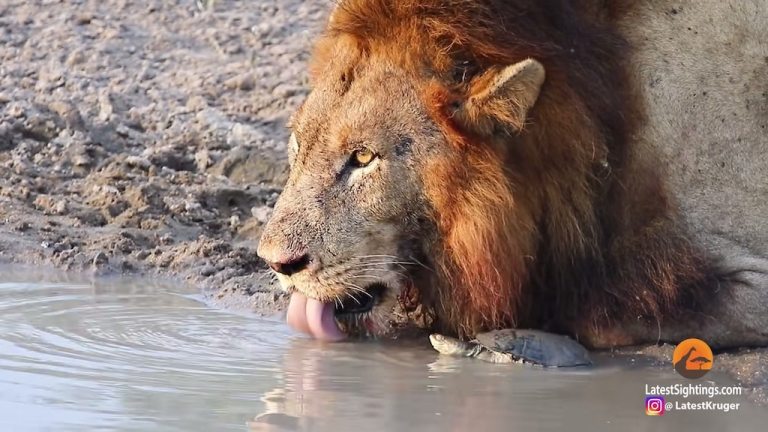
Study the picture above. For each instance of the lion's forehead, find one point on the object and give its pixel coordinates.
(379, 104)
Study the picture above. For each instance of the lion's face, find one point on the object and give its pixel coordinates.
(350, 225)
(399, 207)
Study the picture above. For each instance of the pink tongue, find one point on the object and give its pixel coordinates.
(297, 313)
(322, 324)
(314, 317)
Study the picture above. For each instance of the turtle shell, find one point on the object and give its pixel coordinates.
(535, 346)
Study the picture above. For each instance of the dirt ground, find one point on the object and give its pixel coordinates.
(148, 138)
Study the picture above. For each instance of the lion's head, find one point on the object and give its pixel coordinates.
(450, 155)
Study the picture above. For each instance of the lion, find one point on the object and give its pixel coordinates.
(594, 169)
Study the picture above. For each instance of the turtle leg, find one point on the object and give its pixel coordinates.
(457, 348)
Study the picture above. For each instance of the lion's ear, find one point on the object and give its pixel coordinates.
(502, 97)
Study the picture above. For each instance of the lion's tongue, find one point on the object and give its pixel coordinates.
(322, 324)
(318, 319)
(297, 313)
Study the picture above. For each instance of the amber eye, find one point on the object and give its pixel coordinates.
(362, 157)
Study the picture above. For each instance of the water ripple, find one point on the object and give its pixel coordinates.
(105, 345)
(136, 356)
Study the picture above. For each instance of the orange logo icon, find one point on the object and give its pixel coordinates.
(692, 358)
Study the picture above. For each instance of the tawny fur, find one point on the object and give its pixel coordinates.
(622, 201)
(543, 223)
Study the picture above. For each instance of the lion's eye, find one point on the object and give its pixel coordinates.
(362, 157)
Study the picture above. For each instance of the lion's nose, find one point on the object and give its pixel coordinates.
(290, 265)
(282, 245)
(287, 263)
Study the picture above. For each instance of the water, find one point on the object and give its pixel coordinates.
(133, 355)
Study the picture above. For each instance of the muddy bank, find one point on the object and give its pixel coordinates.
(148, 138)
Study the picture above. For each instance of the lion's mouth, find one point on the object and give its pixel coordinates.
(331, 320)
(360, 301)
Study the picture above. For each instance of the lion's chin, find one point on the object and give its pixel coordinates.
(391, 310)
(360, 313)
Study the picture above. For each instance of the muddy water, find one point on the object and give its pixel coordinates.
(133, 355)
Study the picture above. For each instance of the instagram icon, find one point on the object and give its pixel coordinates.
(654, 406)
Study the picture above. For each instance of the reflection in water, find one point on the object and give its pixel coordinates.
(133, 356)
(371, 387)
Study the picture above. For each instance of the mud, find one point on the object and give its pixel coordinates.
(148, 138)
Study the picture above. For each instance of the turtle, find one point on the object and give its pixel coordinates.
(516, 346)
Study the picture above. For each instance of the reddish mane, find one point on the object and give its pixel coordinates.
(556, 223)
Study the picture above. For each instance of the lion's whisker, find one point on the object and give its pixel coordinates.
(421, 264)
(352, 297)
(359, 272)
(373, 256)
(381, 264)
(357, 288)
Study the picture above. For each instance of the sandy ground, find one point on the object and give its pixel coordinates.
(148, 138)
